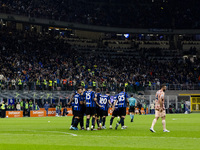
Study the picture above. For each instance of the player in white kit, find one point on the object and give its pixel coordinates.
(160, 109)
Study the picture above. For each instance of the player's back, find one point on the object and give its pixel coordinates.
(77, 99)
(104, 102)
(122, 96)
(89, 98)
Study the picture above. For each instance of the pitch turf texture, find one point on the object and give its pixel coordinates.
(52, 133)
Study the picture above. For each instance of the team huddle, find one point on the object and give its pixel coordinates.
(95, 105)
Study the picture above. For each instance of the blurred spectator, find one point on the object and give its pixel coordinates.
(152, 108)
(46, 107)
(18, 107)
(130, 14)
(36, 107)
(58, 110)
(26, 110)
(145, 108)
(65, 113)
(26, 62)
(3, 109)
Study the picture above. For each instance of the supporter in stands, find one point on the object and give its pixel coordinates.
(147, 14)
(25, 61)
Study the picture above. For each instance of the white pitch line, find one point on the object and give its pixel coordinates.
(29, 134)
(60, 132)
(47, 131)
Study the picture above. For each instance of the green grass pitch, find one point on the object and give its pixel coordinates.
(40, 134)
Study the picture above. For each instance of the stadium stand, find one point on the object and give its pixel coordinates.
(29, 58)
(129, 13)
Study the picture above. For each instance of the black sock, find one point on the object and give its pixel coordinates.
(78, 120)
(122, 122)
(104, 120)
(98, 122)
(111, 121)
(75, 123)
(72, 120)
(87, 123)
(81, 122)
(93, 121)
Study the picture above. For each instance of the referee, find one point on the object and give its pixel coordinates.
(132, 104)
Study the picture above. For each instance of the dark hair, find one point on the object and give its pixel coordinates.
(131, 95)
(89, 87)
(107, 92)
(121, 88)
(163, 85)
(80, 87)
(98, 90)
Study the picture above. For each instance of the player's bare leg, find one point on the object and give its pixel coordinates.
(164, 125)
(153, 124)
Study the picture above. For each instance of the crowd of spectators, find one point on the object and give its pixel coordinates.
(45, 62)
(129, 13)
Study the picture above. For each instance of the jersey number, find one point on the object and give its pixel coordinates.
(76, 100)
(103, 100)
(121, 98)
(88, 96)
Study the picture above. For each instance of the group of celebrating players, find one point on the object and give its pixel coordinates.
(95, 105)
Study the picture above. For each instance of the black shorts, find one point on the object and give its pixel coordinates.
(132, 109)
(77, 113)
(103, 113)
(115, 113)
(97, 111)
(83, 110)
(122, 111)
(91, 111)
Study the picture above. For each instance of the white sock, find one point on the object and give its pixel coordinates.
(164, 124)
(153, 123)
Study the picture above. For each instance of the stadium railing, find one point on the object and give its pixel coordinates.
(175, 87)
(32, 86)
